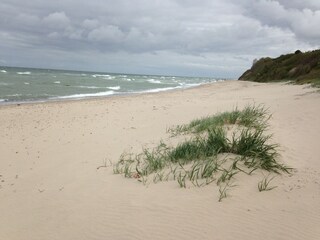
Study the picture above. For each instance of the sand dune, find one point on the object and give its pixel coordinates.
(51, 186)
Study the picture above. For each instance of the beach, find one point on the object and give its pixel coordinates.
(57, 181)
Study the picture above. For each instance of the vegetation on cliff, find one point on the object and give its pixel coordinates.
(298, 67)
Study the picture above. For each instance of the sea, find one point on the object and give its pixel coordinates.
(20, 85)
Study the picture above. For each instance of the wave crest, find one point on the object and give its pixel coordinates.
(24, 73)
(85, 95)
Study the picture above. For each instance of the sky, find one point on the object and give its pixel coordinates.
(214, 38)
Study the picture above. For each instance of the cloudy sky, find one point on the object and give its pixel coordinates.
(218, 38)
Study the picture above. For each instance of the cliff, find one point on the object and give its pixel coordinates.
(298, 67)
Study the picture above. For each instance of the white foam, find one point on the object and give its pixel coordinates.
(73, 74)
(104, 76)
(91, 87)
(14, 95)
(154, 81)
(4, 84)
(95, 87)
(26, 83)
(57, 82)
(3, 100)
(24, 73)
(187, 85)
(78, 96)
(100, 75)
(172, 88)
(3, 71)
(160, 89)
(129, 79)
(114, 88)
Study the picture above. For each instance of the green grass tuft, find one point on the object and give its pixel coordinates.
(263, 185)
(198, 160)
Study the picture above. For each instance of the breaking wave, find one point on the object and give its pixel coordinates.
(24, 73)
(85, 95)
(154, 81)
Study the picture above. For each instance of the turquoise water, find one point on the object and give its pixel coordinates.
(28, 85)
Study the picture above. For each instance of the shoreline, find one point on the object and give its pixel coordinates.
(119, 95)
(57, 182)
(122, 94)
(40, 85)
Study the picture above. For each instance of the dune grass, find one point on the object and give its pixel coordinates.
(251, 117)
(263, 185)
(211, 154)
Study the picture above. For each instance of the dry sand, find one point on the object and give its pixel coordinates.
(50, 187)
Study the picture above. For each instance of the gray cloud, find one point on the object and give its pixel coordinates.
(202, 37)
(302, 18)
(298, 4)
(57, 20)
